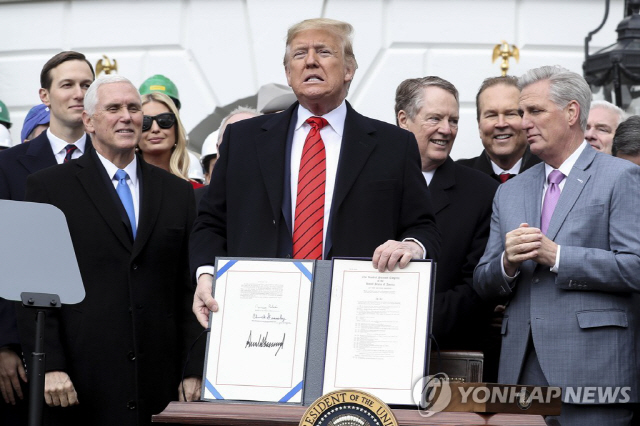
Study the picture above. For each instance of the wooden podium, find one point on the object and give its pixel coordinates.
(211, 413)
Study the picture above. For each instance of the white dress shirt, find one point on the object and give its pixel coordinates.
(58, 146)
(332, 137)
(133, 182)
(499, 170)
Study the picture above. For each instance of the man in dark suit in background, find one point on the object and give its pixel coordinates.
(506, 152)
(461, 197)
(63, 82)
(364, 178)
(118, 354)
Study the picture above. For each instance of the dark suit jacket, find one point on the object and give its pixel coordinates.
(124, 344)
(483, 163)
(380, 193)
(462, 199)
(16, 164)
(21, 160)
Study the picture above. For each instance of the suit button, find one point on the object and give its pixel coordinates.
(536, 280)
(139, 306)
(131, 405)
(135, 266)
(288, 256)
(131, 356)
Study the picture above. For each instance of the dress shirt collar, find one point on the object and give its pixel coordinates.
(58, 145)
(499, 170)
(428, 176)
(131, 169)
(335, 117)
(568, 164)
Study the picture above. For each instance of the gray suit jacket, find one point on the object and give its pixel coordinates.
(585, 320)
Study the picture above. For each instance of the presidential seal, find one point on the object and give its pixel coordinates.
(348, 407)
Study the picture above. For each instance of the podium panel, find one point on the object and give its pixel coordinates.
(232, 414)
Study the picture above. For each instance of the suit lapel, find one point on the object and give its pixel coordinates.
(95, 186)
(270, 146)
(575, 183)
(39, 154)
(151, 190)
(443, 179)
(533, 198)
(357, 146)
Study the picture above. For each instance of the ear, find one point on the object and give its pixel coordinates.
(44, 96)
(573, 112)
(350, 71)
(88, 122)
(402, 119)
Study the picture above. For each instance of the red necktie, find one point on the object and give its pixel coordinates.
(69, 148)
(309, 214)
(505, 177)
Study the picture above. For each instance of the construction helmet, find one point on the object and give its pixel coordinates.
(160, 83)
(4, 115)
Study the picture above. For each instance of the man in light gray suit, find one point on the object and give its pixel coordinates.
(564, 251)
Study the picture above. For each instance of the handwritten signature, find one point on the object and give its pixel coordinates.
(263, 342)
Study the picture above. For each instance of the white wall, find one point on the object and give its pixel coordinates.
(222, 50)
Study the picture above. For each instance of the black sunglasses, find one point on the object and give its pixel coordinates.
(165, 121)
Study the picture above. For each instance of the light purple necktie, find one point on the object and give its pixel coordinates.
(550, 199)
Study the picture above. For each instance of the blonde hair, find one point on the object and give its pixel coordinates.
(342, 30)
(179, 162)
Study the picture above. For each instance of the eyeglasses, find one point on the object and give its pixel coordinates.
(165, 121)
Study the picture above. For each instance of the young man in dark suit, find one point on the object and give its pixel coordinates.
(117, 356)
(64, 79)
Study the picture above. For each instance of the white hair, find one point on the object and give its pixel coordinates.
(91, 97)
(611, 107)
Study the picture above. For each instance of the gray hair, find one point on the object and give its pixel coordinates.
(627, 138)
(91, 96)
(239, 110)
(611, 107)
(410, 93)
(565, 86)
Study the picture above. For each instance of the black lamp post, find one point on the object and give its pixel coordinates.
(616, 68)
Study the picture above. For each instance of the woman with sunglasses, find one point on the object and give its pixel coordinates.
(164, 141)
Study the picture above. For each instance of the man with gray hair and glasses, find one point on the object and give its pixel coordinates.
(564, 253)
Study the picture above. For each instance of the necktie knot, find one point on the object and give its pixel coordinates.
(121, 176)
(69, 151)
(555, 177)
(317, 122)
(505, 177)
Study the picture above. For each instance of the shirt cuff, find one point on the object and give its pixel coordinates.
(424, 251)
(205, 269)
(554, 268)
(506, 277)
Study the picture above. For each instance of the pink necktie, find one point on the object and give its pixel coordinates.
(309, 214)
(550, 199)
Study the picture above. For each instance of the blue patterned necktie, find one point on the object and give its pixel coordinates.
(125, 196)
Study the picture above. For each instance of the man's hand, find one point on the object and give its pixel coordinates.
(59, 390)
(203, 302)
(547, 252)
(11, 369)
(520, 245)
(393, 252)
(192, 386)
